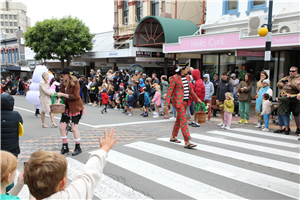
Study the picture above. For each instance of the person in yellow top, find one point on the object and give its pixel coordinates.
(228, 110)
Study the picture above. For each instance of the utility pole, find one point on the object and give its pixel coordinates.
(268, 40)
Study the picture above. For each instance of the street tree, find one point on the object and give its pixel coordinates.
(59, 39)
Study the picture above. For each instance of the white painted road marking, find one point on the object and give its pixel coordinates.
(255, 139)
(245, 157)
(246, 145)
(271, 183)
(106, 125)
(177, 182)
(240, 130)
(107, 188)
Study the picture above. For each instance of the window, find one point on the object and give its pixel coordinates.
(139, 10)
(5, 16)
(126, 11)
(10, 16)
(11, 30)
(256, 5)
(231, 7)
(10, 23)
(15, 24)
(15, 16)
(6, 23)
(2, 23)
(155, 7)
(7, 30)
(1, 16)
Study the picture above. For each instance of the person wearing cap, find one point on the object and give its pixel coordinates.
(288, 84)
(234, 81)
(179, 93)
(74, 108)
(135, 80)
(259, 100)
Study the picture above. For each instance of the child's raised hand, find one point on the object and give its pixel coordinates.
(276, 99)
(108, 142)
(21, 178)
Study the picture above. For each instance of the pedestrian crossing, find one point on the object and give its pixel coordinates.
(233, 164)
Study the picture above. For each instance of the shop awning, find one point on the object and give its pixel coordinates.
(13, 68)
(155, 31)
(25, 69)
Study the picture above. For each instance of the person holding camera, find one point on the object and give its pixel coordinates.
(288, 85)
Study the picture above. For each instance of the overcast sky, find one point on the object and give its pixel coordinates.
(98, 15)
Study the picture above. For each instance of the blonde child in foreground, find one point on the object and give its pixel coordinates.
(9, 166)
(228, 110)
(46, 173)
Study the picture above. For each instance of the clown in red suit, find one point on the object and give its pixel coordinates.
(180, 93)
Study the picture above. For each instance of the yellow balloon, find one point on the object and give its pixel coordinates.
(263, 31)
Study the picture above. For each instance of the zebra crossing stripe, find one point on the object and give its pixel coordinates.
(246, 145)
(271, 183)
(255, 139)
(182, 184)
(288, 137)
(245, 157)
(107, 188)
(24, 193)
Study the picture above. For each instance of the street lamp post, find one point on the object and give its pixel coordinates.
(268, 40)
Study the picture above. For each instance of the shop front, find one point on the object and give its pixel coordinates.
(231, 53)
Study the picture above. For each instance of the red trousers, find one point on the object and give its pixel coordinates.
(181, 122)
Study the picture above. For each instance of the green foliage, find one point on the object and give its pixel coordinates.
(59, 38)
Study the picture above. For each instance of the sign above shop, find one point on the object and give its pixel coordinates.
(120, 60)
(226, 41)
(150, 54)
(139, 59)
(143, 54)
(79, 64)
(113, 53)
(250, 53)
(3, 69)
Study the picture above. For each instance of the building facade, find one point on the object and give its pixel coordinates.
(229, 41)
(13, 15)
(164, 21)
(127, 15)
(13, 62)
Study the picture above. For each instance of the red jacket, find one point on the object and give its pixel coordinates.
(1, 88)
(104, 97)
(199, 87)
(175, 91)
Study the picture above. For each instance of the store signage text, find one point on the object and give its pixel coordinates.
(114, 53)
(250, 53)
(150, 54)
(163, 63)
(112, 60)
(211, 42)
(149, 59)
(227, 41)
(91, 55)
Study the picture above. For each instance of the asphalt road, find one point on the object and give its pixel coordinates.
(241, 163)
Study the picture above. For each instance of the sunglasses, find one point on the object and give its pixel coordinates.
(292, 71)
